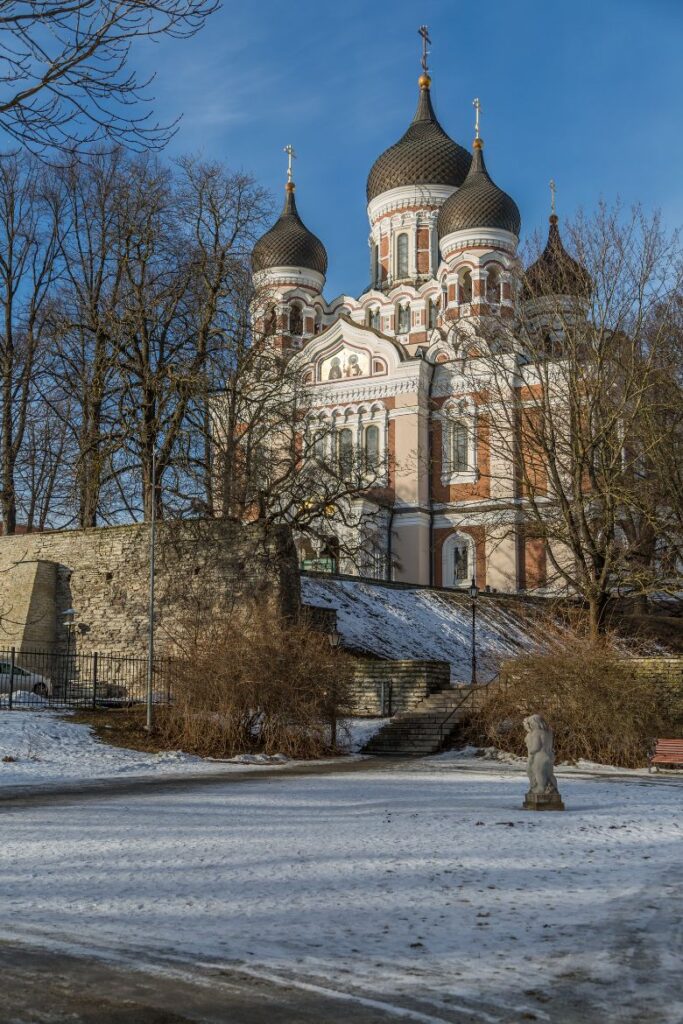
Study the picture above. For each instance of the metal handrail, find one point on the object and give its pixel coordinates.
(468, 696)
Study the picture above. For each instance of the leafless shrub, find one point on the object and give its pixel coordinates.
(257, 683)
(600, 707)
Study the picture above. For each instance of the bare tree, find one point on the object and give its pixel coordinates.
(28, 267)
(569, 386)
(65, 78)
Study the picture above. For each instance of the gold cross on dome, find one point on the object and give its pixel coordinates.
(291, 155)
(553, 189)
(476, 103)
(426, 41)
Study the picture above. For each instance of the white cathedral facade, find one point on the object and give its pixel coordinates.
(391, 372)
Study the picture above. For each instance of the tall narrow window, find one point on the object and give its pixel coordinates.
(319, 446)
(318, 321)
(493, 287)
(465, 287)
(373, 318)
(372, 447)
(459, 446)
(345, 453)
(376, 268)
(402, 256)
(296, 320)
(403, 319)
(432, 313)
(461, 562)
(270, 321)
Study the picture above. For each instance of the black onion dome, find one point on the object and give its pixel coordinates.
(425, 155)
(555, 272)
(478, 203)
(289, 243)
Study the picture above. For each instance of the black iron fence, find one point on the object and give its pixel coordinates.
(80, 680)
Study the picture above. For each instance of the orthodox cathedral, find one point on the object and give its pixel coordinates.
(386, 370)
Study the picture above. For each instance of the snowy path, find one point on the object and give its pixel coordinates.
(421, 890)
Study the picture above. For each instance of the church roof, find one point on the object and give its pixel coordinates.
(478, 203)
(555, 272)
(424, 155)
(289, 243)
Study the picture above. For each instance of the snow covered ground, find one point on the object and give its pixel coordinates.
(397, 623)
(422, 886)
(38, 746)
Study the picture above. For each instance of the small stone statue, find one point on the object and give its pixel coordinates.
(543, 794)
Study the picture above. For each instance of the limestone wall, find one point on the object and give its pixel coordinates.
(381, 688)
(202, 567)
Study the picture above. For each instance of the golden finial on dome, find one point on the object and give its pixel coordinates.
(424, 81)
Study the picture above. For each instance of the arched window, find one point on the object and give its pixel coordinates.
(373, 318)
(318, 321)
(345, 450)
(432, 313)
(459, 448)
(372, 446)
(458, 562)
(492, 286)
(403, 319)
(296, 319)
(402, 255)
(465, 287)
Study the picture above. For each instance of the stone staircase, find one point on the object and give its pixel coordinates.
(426, 727)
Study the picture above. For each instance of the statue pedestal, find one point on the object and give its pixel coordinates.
(543, 802)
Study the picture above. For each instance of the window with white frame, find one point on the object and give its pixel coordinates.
(372, 459)
(460, 447)
(403, 319)
(458, 560)
(432, 313)
(402, 255)
(345, 453)
(459, 442)
(373, 317)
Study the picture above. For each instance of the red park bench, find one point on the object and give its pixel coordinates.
(668, 752)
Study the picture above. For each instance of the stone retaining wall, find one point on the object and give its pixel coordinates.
(381, 688)
(203, 568)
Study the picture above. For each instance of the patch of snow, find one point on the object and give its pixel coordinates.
(424, 624)
(355, 732)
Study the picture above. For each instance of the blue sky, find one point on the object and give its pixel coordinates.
(589, 92)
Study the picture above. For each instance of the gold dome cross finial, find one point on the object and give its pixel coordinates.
(553, 189)
(291, 155)
(426, 41)
(476, 103)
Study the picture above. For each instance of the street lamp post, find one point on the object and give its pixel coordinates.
(335, 640)
(474, 594)
(152, 553)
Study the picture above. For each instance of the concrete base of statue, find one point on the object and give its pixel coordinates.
(543, 802)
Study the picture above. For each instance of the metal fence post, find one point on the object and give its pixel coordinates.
(94, 680)
(11, 676)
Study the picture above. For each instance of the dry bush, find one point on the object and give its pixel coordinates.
(256, 684)
(598, 706)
